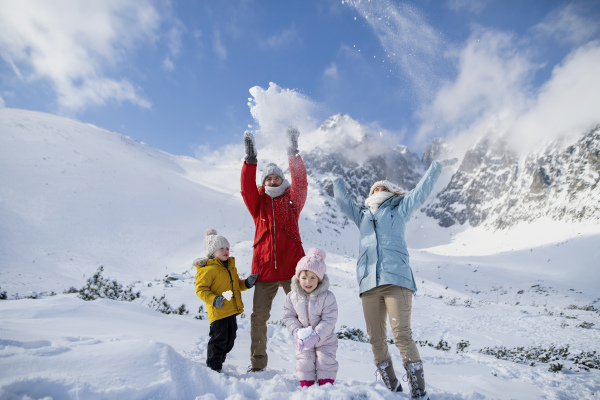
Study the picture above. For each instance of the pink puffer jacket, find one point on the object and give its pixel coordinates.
(319, 310)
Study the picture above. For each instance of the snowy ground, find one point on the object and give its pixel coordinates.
(536, 288)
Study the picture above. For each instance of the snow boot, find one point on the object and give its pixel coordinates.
(388, 375)
(416, 380)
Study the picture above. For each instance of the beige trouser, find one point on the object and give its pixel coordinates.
(396, 302)
(264, 293)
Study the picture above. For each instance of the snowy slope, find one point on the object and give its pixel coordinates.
(74, 197)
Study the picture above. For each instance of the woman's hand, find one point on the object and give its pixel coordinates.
(448, 162)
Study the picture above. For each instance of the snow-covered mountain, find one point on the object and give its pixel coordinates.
(74, 197)
(495, 188)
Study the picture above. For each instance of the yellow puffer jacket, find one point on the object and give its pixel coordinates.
(212, 279)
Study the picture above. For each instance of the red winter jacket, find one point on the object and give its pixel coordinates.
(277, 243)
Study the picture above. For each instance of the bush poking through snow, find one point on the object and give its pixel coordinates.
(161, 305)
(552, 355)
(555, 367)
(354, 334)
(3, 294)
(99, 287)
(201, 313)
(461, 346)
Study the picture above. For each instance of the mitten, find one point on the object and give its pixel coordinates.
(250, 149)
(219, 301)
(448, 162)
(292, 134)
(310, 341)
(251, 280)
(300, 345)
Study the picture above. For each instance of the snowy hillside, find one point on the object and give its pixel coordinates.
(511, 314)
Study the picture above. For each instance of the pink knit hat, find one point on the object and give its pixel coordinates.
(313, 261)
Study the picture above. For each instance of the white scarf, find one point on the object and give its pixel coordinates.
(276, 191)
(376, 199)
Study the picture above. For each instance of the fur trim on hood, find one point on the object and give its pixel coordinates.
(321, 287)
(200, 262)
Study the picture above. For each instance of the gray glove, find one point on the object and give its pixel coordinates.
(251, 280)
(448, 162)
(292, 134)
(250, 149)
(219, 301)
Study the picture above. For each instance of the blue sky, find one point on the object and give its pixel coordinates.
(178, 74)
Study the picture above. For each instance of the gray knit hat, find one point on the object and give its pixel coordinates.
(213, 242)
(270, 169)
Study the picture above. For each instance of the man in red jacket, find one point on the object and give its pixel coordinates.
(275, 206)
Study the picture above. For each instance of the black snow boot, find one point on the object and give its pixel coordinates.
(388, 375)
(416, 380)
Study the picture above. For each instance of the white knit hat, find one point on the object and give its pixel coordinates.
(391, 187)
(270, 169)
(313, 261)
(213, 242)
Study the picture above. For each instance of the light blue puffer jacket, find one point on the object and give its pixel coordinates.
(383, 256)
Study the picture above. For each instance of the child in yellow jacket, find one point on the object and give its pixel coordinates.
(219, 286)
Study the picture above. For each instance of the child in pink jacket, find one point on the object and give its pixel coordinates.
(310, 315)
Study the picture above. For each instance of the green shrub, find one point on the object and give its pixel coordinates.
(99, 287)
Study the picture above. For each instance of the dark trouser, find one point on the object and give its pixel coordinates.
(264, 293)
(222, 335)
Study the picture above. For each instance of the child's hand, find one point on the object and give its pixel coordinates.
(251, 280)
(300, 345)
(219, 301)
(310, 341)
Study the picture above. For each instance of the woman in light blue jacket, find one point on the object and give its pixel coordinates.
(385, 279)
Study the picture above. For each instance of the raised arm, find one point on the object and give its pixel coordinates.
(299, 184)
(350, 208)
(416, 197)
(248, 179)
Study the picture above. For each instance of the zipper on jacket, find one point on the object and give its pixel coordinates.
(274, 235)
(307, 312)
(230, 281)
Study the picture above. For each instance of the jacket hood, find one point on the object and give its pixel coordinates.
(200, 262)
(321, 287)
(203, 262)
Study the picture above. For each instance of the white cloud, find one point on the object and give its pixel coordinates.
(493, 93)
(281, 39)
(174, 41)
(168, 64)
(473, 6)
(73, 45)
(492, 78)
(568, 25)
(331, 72)
(567, 105)
(219, 47)
(174, 46)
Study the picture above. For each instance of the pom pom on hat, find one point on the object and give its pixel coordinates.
(213, 242)
(271, 169)
(313, 261)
